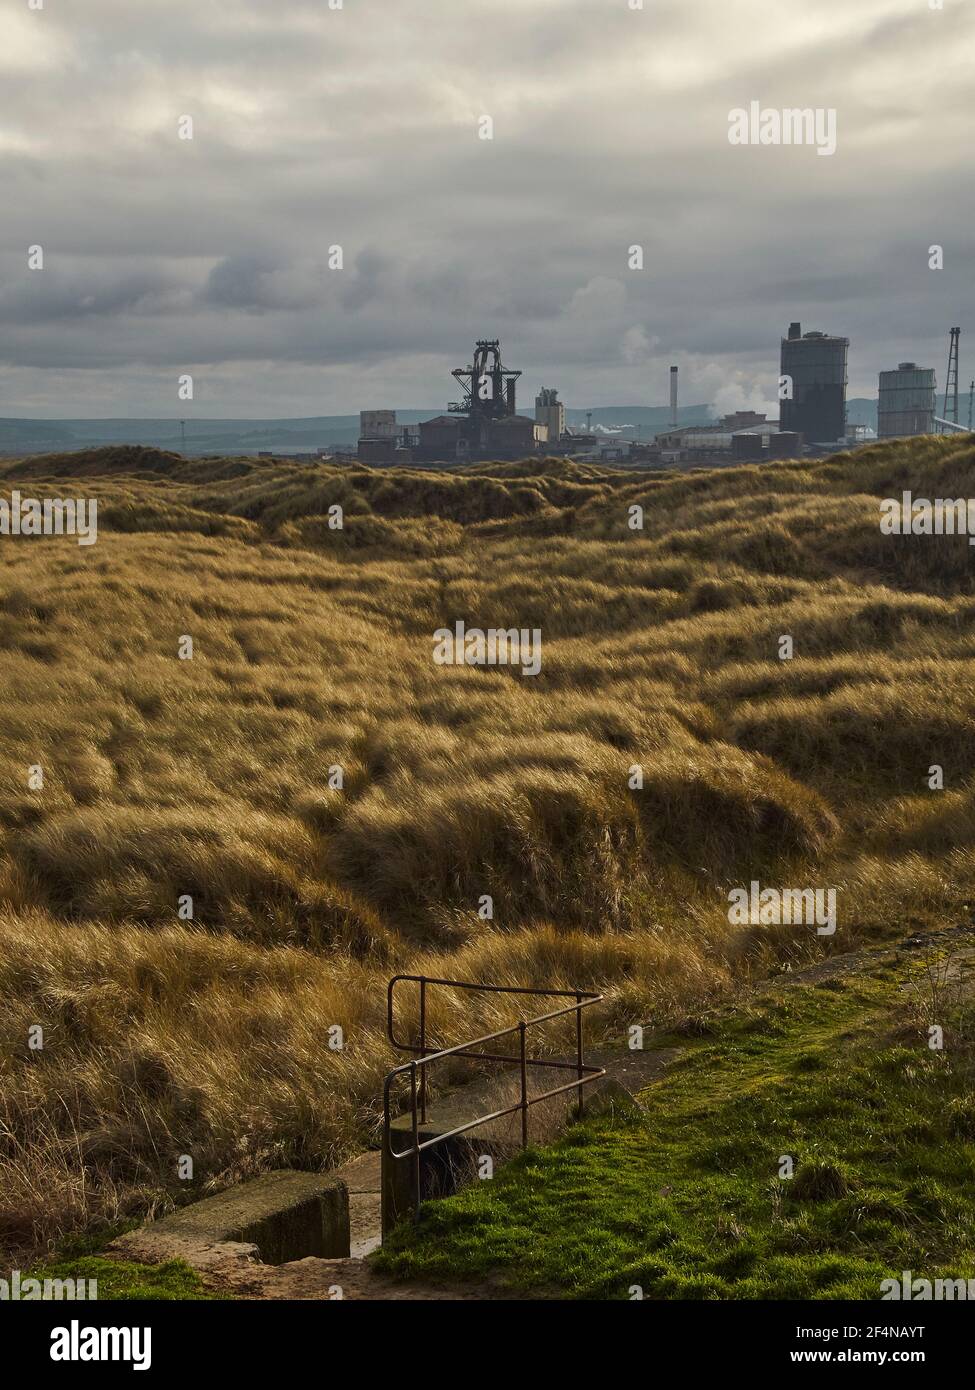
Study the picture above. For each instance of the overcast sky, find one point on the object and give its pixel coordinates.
(359, 127)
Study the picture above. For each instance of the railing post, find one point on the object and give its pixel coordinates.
(579, 1063)
(388, 1164)
(423, 1047)
(416, 1145)
(524, 1085)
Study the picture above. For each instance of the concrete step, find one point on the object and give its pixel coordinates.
(281, 1217)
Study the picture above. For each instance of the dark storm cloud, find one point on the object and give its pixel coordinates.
(316, 127)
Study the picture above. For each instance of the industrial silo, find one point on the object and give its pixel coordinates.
(815, 363)
(907, 401)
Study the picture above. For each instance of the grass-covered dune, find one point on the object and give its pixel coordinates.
(213, 778)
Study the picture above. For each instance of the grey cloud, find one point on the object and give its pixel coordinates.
(366, 280)
(358, 128)
(54, 297)
(241, 282)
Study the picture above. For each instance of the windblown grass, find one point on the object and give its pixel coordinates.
(166, 779)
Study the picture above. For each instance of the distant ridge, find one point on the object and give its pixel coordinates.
(304, 434)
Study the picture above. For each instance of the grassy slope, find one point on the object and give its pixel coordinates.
(313, 648)
(685, 1200)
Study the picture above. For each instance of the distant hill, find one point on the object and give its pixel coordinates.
(284, 436)
(203, 436)
(288, 435)
(306, 434)
(860, 410)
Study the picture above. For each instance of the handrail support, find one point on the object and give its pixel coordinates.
(416, 1070)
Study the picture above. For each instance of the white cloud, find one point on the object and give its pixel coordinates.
(29, 42)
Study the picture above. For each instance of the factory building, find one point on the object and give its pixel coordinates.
(485, 424)
(446, 439)
(716, 436)
(550, 412)
(514, 437)
(381, 440)
(382, 451)
(377, 424)
(743, 435)
(814, 365)
(440, 437)
(907, 401)
(758, 445)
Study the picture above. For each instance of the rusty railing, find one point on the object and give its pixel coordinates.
(416, 1069)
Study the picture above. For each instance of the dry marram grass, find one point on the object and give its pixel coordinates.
(313, 648)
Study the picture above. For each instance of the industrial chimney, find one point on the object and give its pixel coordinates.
(673, 398)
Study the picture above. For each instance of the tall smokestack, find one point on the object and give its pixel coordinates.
(673, 398)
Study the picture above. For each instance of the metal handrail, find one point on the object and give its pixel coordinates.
(417, 1068)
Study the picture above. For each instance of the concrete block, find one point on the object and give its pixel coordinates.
(288, 1215)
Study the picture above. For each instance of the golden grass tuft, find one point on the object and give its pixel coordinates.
(214, 778)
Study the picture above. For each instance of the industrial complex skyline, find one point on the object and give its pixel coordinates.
(813, 416)
(257, 197)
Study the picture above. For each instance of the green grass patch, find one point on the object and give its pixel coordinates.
(685, 1198)
(173, 1281)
